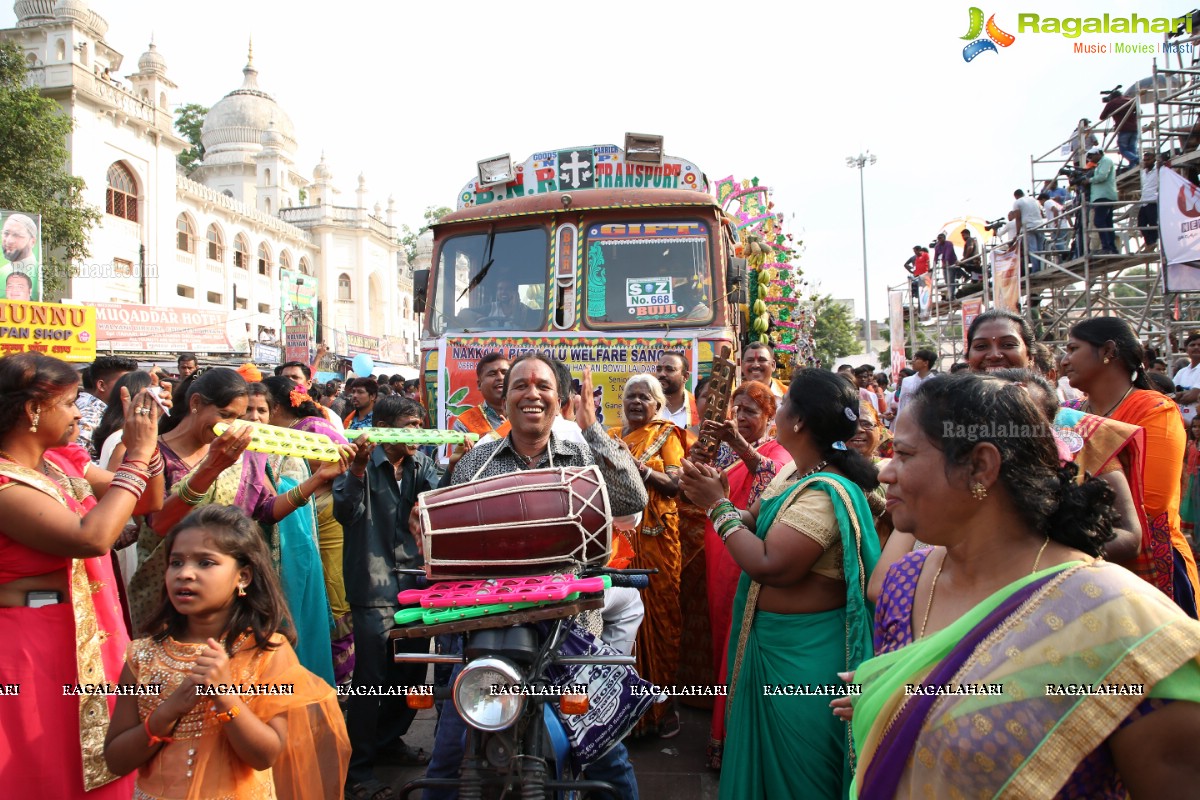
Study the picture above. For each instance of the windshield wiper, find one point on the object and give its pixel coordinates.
(487, 263)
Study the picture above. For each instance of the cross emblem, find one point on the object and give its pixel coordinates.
(580, 171)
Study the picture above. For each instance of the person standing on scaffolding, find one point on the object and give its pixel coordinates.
(1123, 112)
(1027, 215)
(1102, 189)
(944, 255)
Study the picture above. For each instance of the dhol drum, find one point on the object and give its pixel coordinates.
(522, 523)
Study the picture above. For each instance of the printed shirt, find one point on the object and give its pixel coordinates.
(626, 492)
(354, 421)
(91, 409)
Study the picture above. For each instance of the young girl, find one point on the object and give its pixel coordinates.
(219, 626)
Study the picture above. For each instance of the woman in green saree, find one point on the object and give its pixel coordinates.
(800, 615)
(1012, 662)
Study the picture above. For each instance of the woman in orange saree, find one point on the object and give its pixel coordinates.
(60, 615)
(657, 447)
(1104, 359)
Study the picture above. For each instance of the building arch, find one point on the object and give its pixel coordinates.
(345, 287)
(241, 252)
(263, 259)
(121, 197)
(216, 242)
(185, 233)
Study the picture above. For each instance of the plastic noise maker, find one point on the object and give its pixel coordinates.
(415, 436)
(286, 441)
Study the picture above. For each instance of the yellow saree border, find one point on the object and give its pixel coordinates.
(1097, 716)
(89, 665)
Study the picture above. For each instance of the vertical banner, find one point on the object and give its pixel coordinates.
(1179, 226)
(297, 341)
(1006, 279)
(21, 267)
(926, 293)
(970, 310)
(896, 325)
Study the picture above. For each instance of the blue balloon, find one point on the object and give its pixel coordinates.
(363, 365)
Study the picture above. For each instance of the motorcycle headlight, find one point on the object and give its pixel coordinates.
(477, 699)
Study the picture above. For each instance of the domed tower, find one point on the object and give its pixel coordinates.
(240, 127)
(150, 82)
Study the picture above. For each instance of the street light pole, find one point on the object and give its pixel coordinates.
(861, 162)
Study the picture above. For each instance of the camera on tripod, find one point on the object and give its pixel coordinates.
(995, 225)
(1076, 176)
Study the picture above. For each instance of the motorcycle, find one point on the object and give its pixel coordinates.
(514, 668)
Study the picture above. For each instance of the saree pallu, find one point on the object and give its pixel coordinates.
(1189, 503)
(723, 571)
(798, 649)
(1104, 444)
(656, 546)
(51, 742)
(1166, 442)
(200, 764)
(1089, 624)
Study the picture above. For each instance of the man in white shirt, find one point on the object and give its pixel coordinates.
(1056, 226)
(1148, 211)
(672, 373)
(1187, 381)
(1028, 215)
(923, 361)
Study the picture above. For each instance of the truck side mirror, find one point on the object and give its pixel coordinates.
(420, 288)
(735, 281)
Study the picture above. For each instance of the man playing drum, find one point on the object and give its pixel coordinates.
(532, 394)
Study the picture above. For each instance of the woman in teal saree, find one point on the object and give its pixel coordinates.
(1012, 662)
(800, 614)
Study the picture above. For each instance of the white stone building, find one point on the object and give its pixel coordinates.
(215, 240)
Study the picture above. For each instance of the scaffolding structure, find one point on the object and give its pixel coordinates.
(1065, 274)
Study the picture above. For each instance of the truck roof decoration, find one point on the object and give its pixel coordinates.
(600, 166)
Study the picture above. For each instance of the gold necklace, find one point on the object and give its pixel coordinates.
(938, 574)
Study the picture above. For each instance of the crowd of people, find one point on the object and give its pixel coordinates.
(849, 534)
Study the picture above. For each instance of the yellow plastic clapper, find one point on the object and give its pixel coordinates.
(275, 440)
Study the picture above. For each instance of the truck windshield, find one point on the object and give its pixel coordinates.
(643, 274)
(492, 282)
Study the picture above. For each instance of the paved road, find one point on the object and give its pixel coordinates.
(667, 769)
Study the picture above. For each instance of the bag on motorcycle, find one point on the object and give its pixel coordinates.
(617, 697)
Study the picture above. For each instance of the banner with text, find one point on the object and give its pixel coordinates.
(1179, 225)
(65, 332)
(896, 325)
(1006, 278)
(613, 361)
(133, 328)
(361, 343)
(970, 310)
(297, 338)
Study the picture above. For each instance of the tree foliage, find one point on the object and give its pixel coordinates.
(33, 171)
(189, 119)
(834, 332)
(408, 239)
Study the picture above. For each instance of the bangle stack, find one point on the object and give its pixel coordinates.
(725, 519)
(131, 479)
(296, 497)
(187, 495)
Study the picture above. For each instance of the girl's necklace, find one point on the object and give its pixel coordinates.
(938, 574)
(813, 471)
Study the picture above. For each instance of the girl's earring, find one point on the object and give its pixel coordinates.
(37, 415)
(241, 590)
(796, 428)
(1107, 359)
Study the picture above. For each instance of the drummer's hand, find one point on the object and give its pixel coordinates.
(701, 483)
(459, 451)
(358, 467)
(842, 707)
(414, 527)
(585, 413)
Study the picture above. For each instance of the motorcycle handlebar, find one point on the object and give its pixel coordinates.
(638, 582)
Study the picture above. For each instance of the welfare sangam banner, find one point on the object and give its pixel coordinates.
(612, 360)
(65, 332)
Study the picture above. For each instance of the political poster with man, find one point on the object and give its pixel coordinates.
(21, 247)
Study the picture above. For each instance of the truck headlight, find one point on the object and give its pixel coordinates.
(480, 705)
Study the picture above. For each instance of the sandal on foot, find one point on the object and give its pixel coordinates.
(368, 790)
(669, 727)
(402, 756)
